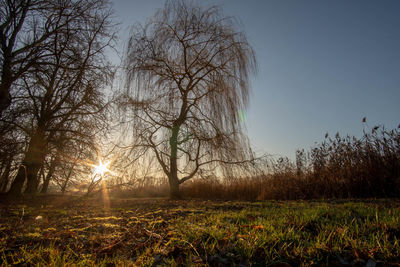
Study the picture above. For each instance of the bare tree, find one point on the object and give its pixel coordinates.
(54, 161)
(72, 165)
(187, 75)
(27, 27)
(11, 150)
(5, 168)
(64, 96)
(13, 15)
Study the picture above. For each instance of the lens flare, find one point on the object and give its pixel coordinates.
(242, 116)
(102, 168)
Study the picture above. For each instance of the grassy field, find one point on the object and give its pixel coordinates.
(151, 232)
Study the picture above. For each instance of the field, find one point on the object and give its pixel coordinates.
(151, 232)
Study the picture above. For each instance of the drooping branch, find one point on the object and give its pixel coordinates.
(191, 67)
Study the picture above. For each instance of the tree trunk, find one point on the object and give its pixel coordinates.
(27, 171)
(174, 192)
(64, 185)
(52, 168)
(34, 187)
(32, 177)
(30, 166)
(47, 180)
(18, 183)
(173, 168)
(6, 81)
(5, 175)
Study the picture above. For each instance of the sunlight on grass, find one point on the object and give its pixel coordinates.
(194, 233)
(106, 218)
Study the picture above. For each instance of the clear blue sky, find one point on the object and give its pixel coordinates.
(323, 66)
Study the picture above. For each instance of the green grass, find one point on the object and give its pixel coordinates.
(201, 233)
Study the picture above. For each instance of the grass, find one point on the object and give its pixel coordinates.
(339, 167)
(148, 232)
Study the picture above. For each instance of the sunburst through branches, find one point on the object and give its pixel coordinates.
(102, 168)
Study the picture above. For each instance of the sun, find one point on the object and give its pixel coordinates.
(101, 168)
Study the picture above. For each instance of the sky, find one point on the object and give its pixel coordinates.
(322, 66)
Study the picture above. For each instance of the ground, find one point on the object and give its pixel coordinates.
(150, 232)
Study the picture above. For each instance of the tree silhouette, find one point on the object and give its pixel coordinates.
(187, 73)
(28, 27)
(63, 96)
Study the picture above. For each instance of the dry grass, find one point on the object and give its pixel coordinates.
(56, 231)
(339, 167)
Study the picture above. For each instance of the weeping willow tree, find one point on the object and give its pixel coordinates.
(187, 82)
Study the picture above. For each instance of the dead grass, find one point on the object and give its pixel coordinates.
(339, 167)
(148, 232)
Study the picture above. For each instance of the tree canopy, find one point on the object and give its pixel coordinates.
(187, 80)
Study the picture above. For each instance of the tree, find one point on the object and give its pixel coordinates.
(69, 162)
(187, 73)
(11, 149)
(27, 28)
(63, 96)
(13, 14)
